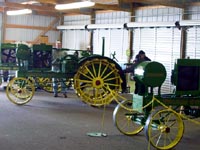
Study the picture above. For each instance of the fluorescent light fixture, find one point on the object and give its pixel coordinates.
(105, 26)
(149, 24)
(71, 27)
(74, 5)
(19, 12)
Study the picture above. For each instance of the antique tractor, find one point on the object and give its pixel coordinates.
(92, 75)
(161, 115)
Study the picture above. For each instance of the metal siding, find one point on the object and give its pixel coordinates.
(96, 49)
(158, 14)
(115, 41)
(97, 45)
(77, 20)
(193, 42)
(160, 44)
(82, 39)
(112, 17)
(68, 39)
(29, 34)
(119, 44)
(76, 39)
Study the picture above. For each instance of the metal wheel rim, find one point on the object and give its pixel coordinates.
(93, 79)
(20, 90)
(123, 120)
(164, 129)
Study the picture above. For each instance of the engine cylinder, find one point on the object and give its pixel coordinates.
(150, 73)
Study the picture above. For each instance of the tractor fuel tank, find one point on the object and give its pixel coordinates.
(150, 73)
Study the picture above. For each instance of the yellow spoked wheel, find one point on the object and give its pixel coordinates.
(94, 79)
(20, 90)
(164, 129)
(127, 122)
(46, 84)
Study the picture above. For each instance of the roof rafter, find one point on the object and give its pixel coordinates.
(156, 2)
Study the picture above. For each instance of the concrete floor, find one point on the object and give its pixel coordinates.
(48, 123)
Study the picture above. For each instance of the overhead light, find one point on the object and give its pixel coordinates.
(19, 12)
(74, 5)
(71, 27)
(105, 26)
(30, 2)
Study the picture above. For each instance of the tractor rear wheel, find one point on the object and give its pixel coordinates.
(95, 79)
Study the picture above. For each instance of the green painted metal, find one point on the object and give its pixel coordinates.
(23, 52)
(150, 73)
(186, 77)
(103, 46)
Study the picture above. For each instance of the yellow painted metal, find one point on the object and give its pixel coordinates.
(164, 129)
(94, 78)
(46, 84)
(123, 119)
(20, 90)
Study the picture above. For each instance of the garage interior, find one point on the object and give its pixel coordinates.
(166, 30)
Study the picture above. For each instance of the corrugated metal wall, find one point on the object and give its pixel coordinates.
(30, 34)
(158, 14)
(76, 39)
(193, 34)
(160, 44)
(116, 40)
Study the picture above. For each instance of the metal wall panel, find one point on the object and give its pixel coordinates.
(193, 42)
(116, 41)
(75, 39)
(193, 34)
(77, 20)
(160, 44)
(98, 39)
(112, 17)
(30, 34)
(193, 13)
(158, 14)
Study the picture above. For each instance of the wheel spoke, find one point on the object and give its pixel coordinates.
(157, 142)
(99, 71)
(106, 67)
(84, 81)
(111, 84)
(85, 75)
(94, 70)
(113, 78)
(88, 70)
(108, 74)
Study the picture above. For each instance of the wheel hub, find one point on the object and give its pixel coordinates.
(164, 129)
(19, 91)
(98, 83)
(167, 130)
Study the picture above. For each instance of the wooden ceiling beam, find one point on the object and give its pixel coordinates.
(50, 26)
(109, 7)
(47, 1)
(28, 6)
(156, 2)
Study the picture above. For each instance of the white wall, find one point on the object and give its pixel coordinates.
(19, 34)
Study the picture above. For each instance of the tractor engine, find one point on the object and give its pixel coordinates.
(149, 74)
